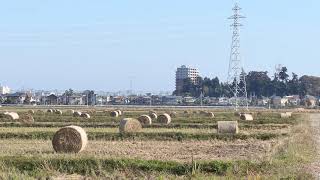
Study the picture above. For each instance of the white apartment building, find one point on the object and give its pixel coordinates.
(5, 90)
(184, 73)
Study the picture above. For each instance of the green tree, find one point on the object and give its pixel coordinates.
(258, 83)
(283, 75)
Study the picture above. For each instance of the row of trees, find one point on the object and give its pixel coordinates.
(258, 84)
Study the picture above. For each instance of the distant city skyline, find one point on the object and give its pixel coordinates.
(123, 45)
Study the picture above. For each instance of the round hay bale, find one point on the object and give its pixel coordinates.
(11, 115)
(145, 120)
(228, 127)
(153, 116)
(2, 115)
(246, 117)
(151, 112)
(31, 111)
(129, 125)
(77, 114)
(50, 111)
(114, 114)
(210, 115)
(119, 112)
(285, 115)
(70, 139)
(164, 119)
(26, 118)
(85, 115)
(289, 113)
(57, 111)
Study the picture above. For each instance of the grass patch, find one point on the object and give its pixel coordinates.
(163, 136)
(37, 167)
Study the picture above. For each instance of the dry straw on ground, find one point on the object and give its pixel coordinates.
(164, 119)
(173, 114)
(114, 114)
(129, 125)
(210, 115)
(203, 112)
(145, 120)
(91, 111)
(71, 111)
(40, 112)
(70, 139)
(228, 127)
(246, 117)
(85, 115)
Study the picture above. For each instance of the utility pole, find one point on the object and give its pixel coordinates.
(236, 74)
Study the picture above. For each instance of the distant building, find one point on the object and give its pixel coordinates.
(294, 100)
(90, 98)
(5, 90)
(75, 99)
(15, 98)
(310, 101)
(52, 99)
(279, 102)
(182, 74)
(188, 100)
(172, 100)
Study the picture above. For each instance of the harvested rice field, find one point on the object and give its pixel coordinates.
(188, 147)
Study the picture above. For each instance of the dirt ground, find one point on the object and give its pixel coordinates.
(315, 124)
(152, 150)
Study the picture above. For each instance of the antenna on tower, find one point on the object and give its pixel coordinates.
(236, 74)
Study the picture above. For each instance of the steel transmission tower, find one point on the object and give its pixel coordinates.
(236, 75)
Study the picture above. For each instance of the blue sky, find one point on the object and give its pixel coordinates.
(103, 44)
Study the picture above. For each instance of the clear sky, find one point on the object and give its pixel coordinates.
(102, 44)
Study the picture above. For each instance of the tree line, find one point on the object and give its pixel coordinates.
(259, 84)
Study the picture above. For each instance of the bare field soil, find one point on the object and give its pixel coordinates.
(314, 167)
(151, 150)
(147, 130)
